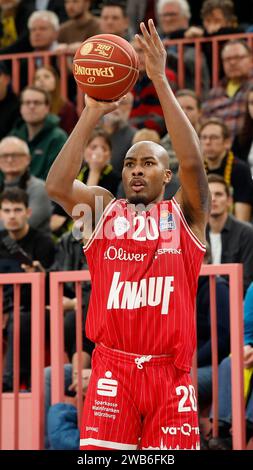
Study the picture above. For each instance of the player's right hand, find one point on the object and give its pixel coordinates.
(103, 106)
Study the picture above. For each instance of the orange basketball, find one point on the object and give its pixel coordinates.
(105, 67)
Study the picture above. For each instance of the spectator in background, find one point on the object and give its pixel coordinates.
(231, 240)
(228, 100)
(147, 111)
(219, 159)
(53, 5)
(224, 441)
(191, 105)
(218, 17)
(48, 79)
(138, 11)
(204, 348)
(14, 164)
(96, 171)
(14, 15)
(173, 18)
(243, 143)
(117, 125)
(37, 247)
(24, 10)
(80, 26)
(146, 134)
(114, 19)
(39, 129)
(9, 102)
(43, 29)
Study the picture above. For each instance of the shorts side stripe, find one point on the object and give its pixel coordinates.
(108, 444)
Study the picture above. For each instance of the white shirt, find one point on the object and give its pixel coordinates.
(216, 247)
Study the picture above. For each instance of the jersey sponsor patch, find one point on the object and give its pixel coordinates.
(167, 221)
(151, 292)
(121, 226)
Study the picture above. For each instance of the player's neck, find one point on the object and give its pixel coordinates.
(217, 222)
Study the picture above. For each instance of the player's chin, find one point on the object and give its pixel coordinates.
(138, 198)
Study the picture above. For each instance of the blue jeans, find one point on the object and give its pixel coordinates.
(204, 385)
(225, 399)
(47, 388)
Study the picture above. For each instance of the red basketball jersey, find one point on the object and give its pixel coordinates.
(144, 270)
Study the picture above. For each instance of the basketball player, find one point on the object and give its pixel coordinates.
(144, 257)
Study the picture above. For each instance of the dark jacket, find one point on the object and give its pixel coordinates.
(9, 111)
(39, 247)
(44, 146)
(204, 321)
(237, 246)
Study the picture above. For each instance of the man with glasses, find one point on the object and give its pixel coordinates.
(174, 18)
(228, 100)
(39, 129)
(15, 172)
(215, 143)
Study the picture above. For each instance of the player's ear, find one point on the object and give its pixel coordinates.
(167, 176)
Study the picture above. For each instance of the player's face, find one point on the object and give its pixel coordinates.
(14, 215)
(220, 200)
(144, 175)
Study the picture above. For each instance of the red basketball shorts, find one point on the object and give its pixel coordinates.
(138, 402)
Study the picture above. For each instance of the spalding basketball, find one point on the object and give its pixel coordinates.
(105, 67)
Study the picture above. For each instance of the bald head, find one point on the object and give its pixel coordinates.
(148, 148)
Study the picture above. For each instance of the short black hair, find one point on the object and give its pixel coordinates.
(14, 195)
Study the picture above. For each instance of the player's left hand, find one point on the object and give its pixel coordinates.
(153, 48)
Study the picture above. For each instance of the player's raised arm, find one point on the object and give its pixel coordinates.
(193, 195)
(61, 183)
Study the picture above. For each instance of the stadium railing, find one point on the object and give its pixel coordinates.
(22, 414)
(63, 62)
